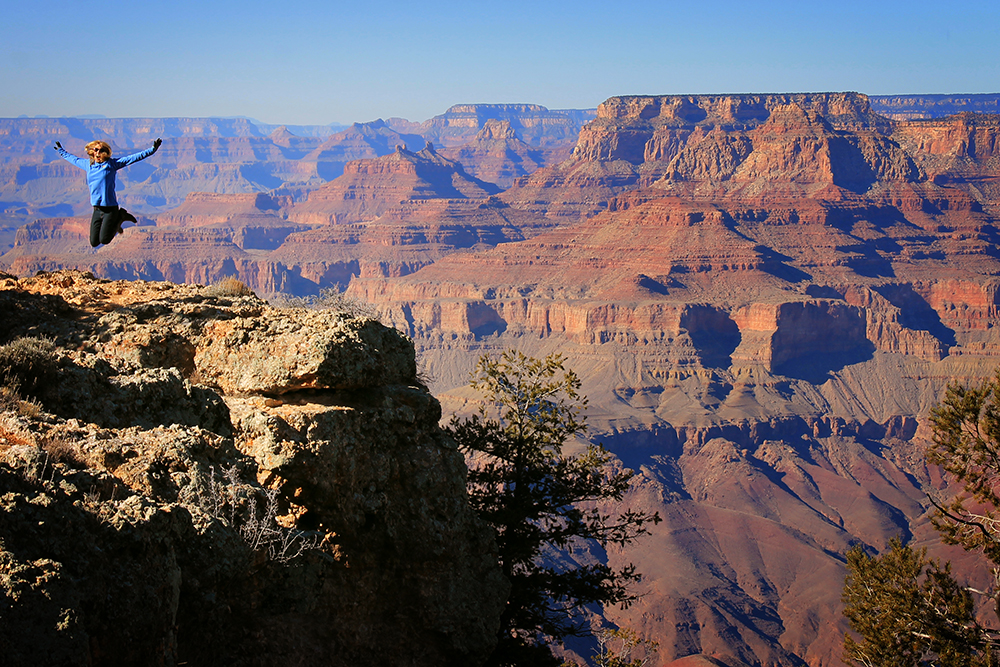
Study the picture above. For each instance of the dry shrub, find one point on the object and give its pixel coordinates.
(10, 399)
(328, 299)
(254, 513)
(229, 286)
(61, 450)
(27, 365)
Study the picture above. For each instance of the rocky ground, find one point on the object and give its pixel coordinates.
(190, 476)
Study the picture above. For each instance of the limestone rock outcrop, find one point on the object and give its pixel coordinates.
(180, 426)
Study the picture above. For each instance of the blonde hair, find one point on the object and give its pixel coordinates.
(96, 146)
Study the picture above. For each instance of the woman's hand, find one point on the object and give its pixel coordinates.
(58, 146)
(156, 144)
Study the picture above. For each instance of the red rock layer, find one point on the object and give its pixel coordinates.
(369, 188)
(755, 289)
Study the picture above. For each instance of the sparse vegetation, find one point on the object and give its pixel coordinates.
(26, 366)
(254, 513)
(10, 399)
(623, 647)
(62, 450)
(229, 286)
(327, 299)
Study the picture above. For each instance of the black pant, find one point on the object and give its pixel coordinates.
(104, 224)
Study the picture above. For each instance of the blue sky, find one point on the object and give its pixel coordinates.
(322, 62)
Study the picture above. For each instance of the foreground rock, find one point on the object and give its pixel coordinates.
(134, 520)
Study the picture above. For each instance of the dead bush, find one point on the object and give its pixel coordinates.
(27, 365)
(65, 451)
(11, 399)
(253, 512)
(328, 299)
(229, 286)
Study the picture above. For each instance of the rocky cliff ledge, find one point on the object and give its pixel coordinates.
(187, 446)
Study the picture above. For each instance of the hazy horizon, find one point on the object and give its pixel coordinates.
(311, 63)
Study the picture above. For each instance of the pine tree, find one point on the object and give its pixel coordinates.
(911, 611)
(538, 499)
(908, 611)
(967, 446)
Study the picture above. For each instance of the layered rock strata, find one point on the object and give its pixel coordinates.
(125, 532)
(369, 188)
(764, 297)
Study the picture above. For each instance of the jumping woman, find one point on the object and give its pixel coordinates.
(108, 217)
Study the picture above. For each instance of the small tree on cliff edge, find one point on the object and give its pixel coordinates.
(535, 498)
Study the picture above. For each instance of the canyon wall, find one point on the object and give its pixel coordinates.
(764, 296)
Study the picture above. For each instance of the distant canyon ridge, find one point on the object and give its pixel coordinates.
(763, 294)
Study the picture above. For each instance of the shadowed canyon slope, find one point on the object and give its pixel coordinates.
(763, 294)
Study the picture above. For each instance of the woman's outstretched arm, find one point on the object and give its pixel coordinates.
(80, 162)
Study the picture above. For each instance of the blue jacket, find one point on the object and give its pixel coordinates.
(101, 175)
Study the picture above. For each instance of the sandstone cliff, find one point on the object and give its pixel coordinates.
(132, 505)
(536, 125)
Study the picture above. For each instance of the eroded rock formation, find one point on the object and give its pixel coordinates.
(119, 543)
(763, 294)
(369, 188)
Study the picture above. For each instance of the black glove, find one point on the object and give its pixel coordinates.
(156, 144)
(58, 146)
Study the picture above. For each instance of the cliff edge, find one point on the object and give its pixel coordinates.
(202, 478)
